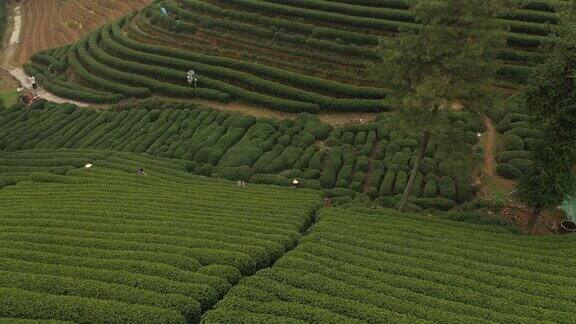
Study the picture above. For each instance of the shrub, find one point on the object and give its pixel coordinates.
(508, 171)
(344, 176)
(387, 187)
(428, 166)
(311, 174)
(273, 179)
(232, 173)
(362, 164)
(304, 139)
(524, 132)
(525, 166)
(513, 142)
(447, 187)
(204, 169)
(347, 138)
(509, 155)
(430, 189)
(356, 186)
(401, 180)
(434, 203)
(360, 139)
(358, 176)
(290, 155)
(316, 160)
(480, 218)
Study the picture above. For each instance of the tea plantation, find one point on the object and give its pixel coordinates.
(371, 160)
(361, 265)
(150, 196)
(107, 245)
(294, 56)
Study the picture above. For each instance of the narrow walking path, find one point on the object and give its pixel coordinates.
(19, 74)
(489, 147)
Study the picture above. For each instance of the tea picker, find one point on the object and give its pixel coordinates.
(191, 77)
(241, 184)
(163, 10)
(295, 183)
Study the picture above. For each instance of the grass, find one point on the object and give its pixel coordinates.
(9, 97)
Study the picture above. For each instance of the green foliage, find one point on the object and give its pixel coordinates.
(344, 268)
(160, 251)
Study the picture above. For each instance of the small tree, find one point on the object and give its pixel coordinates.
(450, 62)
(551, 99)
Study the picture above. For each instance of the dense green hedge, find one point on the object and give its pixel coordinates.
(238, 147)
(370, 265)
(71, 90)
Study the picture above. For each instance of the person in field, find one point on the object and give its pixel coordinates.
(241, 184)
(32, 80)
(141, 172)
(295, 183)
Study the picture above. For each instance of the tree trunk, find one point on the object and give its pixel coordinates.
(533, 220)
(415, 169)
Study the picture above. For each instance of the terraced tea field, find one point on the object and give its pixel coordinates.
(370, 159)
(168, 198)
(362, 265)
(293, 56)
(107, 245)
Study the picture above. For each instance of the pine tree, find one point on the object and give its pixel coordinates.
(450, 62)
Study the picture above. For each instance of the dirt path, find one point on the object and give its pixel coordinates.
(19, 74)
(326, 117)
(492, 186)
(489, 147)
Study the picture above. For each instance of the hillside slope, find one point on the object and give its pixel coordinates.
(361, 265)
(54, 23)
(103, 244)
(293, 56)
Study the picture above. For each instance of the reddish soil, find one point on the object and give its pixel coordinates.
(53, 23)
(489, 141)
(520, 215)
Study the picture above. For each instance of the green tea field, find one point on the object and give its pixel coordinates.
(104, 244)
(361, 265)
(287, 161)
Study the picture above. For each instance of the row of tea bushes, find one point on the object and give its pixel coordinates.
(371, 159)
(154, 248)
(520, 138)
(366, 265)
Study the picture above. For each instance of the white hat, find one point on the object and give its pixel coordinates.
(295, 181)
(88, 166)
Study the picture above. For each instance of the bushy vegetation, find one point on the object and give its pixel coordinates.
(361, 265)
(107, 245)
(295, 56)
(368, 159)
(520, 138)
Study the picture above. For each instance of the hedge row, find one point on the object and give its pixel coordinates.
(154, 262)
(368, 265)
(368, 159)
(294, 79)
(70, 90)
(519, 140)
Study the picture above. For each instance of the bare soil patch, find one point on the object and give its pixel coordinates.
(53, 23)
